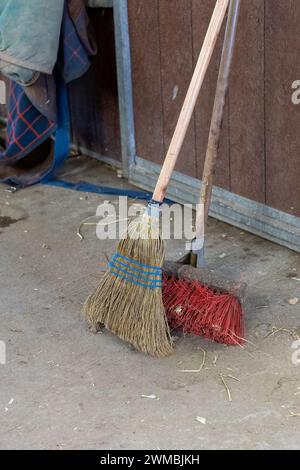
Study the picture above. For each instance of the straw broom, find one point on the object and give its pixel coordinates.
(128, 300)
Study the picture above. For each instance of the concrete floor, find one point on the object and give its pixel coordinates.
(64, 388)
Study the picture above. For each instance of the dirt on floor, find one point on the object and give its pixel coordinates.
(63, 387)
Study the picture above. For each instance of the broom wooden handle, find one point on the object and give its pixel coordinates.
(217, 117)
(190, 100)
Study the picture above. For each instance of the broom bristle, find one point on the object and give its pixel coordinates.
(128, 299)
(199, 310)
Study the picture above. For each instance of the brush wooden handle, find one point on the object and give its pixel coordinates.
(217, 117)
(190, 100)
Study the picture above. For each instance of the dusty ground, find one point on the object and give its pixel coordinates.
(63, 387)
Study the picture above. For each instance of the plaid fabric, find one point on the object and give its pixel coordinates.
(75, 46)
(27, 126)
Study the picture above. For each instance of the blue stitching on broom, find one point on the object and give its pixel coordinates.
(145, 274)
(151, 275)
(133, 261)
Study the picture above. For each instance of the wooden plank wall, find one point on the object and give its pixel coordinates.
(259, 151)
(282, 116)
(94, 96)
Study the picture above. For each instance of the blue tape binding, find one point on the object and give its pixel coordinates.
(116, 263)
(133, 277)
(134, 261)
(136, 274)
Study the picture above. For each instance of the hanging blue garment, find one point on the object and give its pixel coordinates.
(39, 111)
(29, 38)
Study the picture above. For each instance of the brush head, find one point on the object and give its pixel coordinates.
(201, 311)
(128, 299)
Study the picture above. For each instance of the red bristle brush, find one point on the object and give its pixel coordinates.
(200, 301)
(198, 309)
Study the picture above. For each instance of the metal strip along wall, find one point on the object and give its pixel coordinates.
(248, 214)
